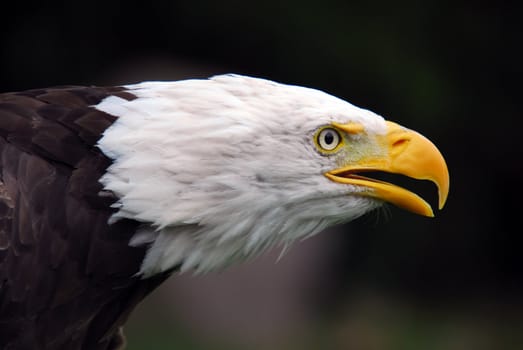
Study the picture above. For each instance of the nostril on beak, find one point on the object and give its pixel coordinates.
(400, 142)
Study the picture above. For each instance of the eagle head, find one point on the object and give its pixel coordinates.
(220, 169)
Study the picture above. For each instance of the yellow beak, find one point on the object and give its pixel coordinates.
(406, 153)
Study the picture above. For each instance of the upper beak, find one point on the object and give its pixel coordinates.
(406, 153)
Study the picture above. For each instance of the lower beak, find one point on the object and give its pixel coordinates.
(407, 153)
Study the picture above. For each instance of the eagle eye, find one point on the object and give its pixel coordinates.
(328, 139)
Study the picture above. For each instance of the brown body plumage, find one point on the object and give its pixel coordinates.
(66, 276)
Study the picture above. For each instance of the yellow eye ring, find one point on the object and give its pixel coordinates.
(328, 140)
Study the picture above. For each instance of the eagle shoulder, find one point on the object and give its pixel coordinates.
(67, 277)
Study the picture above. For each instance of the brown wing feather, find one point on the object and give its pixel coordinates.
(66, 276)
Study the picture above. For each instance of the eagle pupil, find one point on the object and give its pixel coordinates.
(329, 138)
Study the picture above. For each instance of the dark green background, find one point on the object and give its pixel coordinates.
(449, 69)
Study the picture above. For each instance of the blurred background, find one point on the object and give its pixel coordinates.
(451, 70)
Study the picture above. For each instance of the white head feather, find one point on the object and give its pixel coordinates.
(220, 169)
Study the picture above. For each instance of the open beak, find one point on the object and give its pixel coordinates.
(406, 153)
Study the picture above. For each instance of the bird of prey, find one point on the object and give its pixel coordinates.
(106, 191)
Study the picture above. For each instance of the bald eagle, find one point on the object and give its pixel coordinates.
(106, 191)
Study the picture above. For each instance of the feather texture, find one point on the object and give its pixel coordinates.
(225, 168)
(66, 276)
